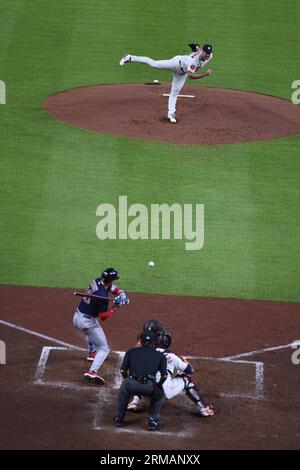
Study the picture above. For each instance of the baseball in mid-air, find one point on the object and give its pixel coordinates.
(151, 264)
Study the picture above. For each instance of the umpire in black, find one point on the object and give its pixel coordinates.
(139, 368)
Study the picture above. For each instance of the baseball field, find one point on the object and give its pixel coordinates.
(77, 132)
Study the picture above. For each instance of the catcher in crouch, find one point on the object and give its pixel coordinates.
(178, 380)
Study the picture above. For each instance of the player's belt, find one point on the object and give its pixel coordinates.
(143, 379)
(84, 315)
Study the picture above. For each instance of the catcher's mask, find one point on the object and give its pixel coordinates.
(110, 274)
(163, 340)
(148, 338)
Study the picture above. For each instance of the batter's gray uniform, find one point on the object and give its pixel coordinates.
(95, 335)
(88, 311)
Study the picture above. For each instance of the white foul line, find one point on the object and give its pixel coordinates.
(258, 351)
(45, 354)
(40, 335)
(259, 376)
(72, 346)
(234, 358)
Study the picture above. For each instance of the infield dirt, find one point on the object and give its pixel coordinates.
(63, 412)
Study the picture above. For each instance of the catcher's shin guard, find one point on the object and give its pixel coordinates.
(193, 392)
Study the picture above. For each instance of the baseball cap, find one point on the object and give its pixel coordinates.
(207, 48)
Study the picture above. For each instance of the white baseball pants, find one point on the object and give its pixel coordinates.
(173, 386)
(179, 77)
(95, 337)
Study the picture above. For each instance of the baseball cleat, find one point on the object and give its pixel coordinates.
(91, 356)
(118, 422)
(154, 424)
(172, 118)
(126, 58)
(205, 411)
(134, 403)
(93, 378)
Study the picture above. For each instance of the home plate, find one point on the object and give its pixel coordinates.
(180, 96)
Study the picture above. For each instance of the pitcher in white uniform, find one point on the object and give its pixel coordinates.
(182, 66)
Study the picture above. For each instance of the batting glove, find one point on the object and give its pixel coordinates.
(121, 300)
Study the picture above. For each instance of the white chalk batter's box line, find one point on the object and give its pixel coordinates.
(259, 375)
(258, 394)
(104, 394)
(41, 368)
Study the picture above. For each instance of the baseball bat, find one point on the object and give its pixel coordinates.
(86, 294)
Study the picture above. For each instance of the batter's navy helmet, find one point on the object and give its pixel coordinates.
(110, 274)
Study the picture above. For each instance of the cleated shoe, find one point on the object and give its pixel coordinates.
(126, 58)
(93, 378)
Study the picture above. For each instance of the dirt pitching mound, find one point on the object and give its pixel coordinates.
(210, 116)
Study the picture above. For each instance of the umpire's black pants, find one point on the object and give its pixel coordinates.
(132, 386)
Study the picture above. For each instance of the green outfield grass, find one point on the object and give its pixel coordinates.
(53, 176)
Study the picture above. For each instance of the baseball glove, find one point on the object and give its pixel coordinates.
(194, 47)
